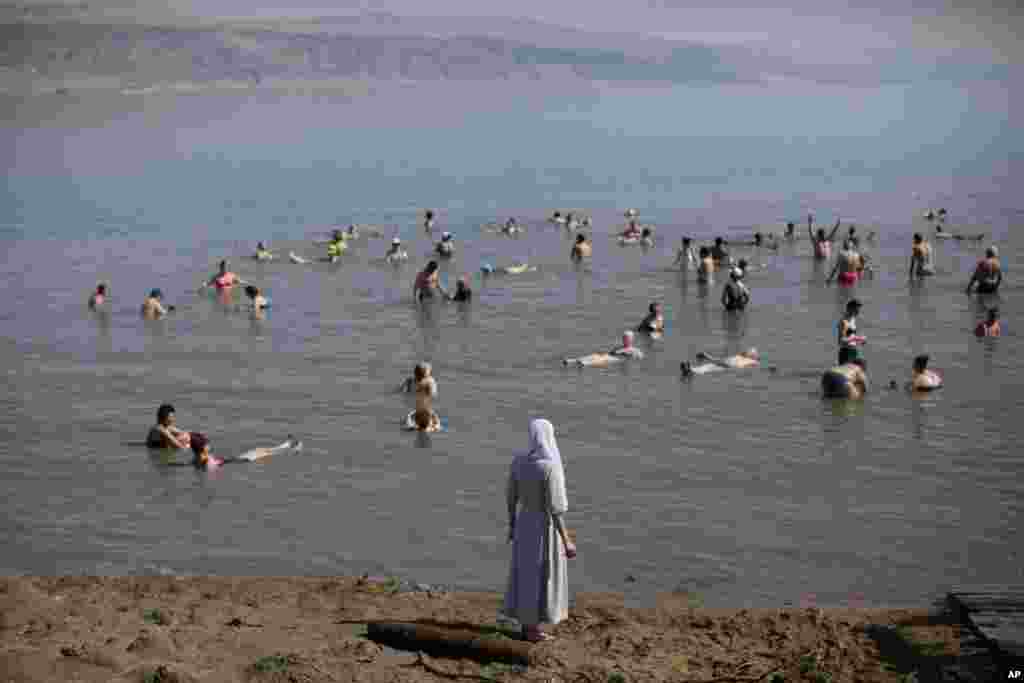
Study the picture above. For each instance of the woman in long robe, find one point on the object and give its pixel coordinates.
(538, 588)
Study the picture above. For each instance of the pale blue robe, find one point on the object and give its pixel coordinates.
(538, 587)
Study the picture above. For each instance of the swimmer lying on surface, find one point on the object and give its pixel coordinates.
(514, 269)
(708, 363)
(654, 322)
(626, 351)
(202, 459)
(262, 253)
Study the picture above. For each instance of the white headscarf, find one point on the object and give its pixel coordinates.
(542, 442)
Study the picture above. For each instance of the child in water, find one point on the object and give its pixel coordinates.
(99, 296)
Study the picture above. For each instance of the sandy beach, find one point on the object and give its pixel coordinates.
(315, 629)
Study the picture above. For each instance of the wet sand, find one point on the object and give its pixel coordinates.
(314, 629)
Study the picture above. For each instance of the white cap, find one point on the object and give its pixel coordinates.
(396, 241)
(445, 235)
(736, 272)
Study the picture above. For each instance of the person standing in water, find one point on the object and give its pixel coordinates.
(989, 327)
(98, 297)
(790, 233)
(848, 337)
(462, 290)
(849, 379)
(164, 434)
(719, 254)
(395, 253)
(426, 283)
(848, 264)
(921, 258)
(428, 221)
(581, 249)
(445, 248)
(988, 275)
(224, 279)
(538, 589)
(685, 256)
(706, 267)
(735, 295)
(153, 308)
(921, 378)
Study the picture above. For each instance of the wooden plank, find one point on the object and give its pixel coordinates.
(449, 642)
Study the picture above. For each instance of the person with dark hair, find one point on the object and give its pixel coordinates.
(202, 459)
(152, 306)
(706, 266)
(921, 378)
(164, 434)
(735, 294)
(848, 337)
(654, 323)
(990, 327)
(821, 242)
(99, 296)
(685, 257)
(224, 279)
(849, 265)
(921, 257)
(719, 254)
(849, 379)
(427, 281)
(258, 301)
(462, 290)
(790, 233)
(988, 275)
(428, 221)
(581, 249)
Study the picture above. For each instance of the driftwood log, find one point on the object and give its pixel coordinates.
(449, 642)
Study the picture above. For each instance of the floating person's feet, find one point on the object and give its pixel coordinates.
(686, 368)
(294, 443)
(295, 258)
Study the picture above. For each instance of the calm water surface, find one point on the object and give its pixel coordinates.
(745, 488)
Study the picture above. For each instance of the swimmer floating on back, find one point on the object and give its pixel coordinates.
(708, 363)
(202, 459)
(624, 352)
(654, 322)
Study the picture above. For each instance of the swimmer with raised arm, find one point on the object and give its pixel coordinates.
(821, 242)
(921, 258)
(164, 434)
(581, 249)
(988, 274)
(708, 363)
(624, 352)
(849, 379)
(921, 378)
